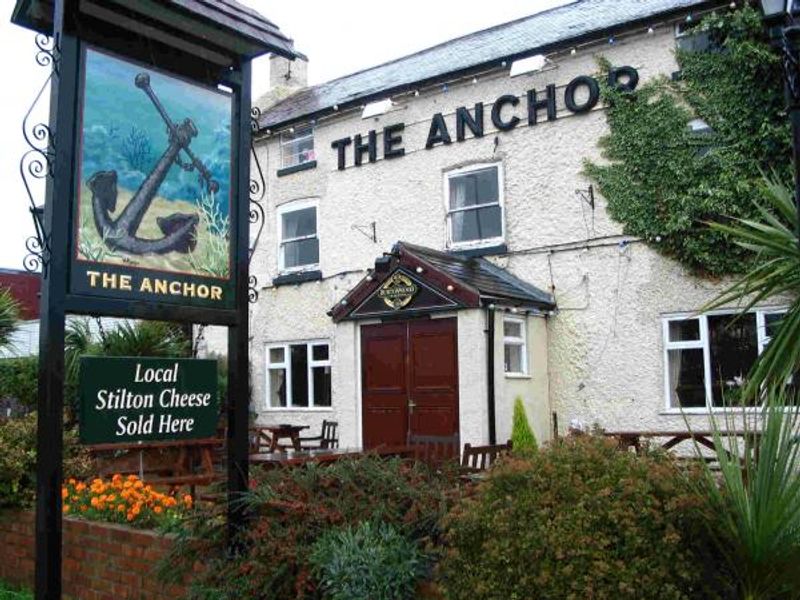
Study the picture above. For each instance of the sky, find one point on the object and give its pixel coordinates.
(338, 38)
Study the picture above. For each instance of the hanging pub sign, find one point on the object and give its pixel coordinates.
(397, 291)
(133, 399)
(152, 215)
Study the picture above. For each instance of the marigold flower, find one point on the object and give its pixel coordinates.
(130, 516)
(121, 507)
(80, 487)
(64, 493)
(66, 508)
(158, 510)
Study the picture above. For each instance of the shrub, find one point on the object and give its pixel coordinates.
(19, 379)
(290, 508)
(122, 500)
(18, 460)
(370, 560)
(579, 520)
(522, 439)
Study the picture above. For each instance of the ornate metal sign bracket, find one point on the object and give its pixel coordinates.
(37, 162)
(258, 188)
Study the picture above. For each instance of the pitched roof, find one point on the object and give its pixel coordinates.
(491, 281)
(542, 32)
(458, 282)
(238, 27)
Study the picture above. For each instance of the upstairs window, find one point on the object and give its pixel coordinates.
(299, 244)
(299, 375)
(474, 206)
(297, 146)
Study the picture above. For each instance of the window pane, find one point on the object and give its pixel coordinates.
(299, 223)
(512, 329)
(322, 386)
(319, 352)
(772, 323)
(277, 387)
(477, 224)
(470, 189)
(302, 252)
(276, 355)
(514, 359)
(299, 358)
(297, 147)
(685, 372)
(734, 348)
(684, 331)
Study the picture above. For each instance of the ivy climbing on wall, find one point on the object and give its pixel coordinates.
(667, 175)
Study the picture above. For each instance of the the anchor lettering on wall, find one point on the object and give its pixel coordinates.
(179, 229)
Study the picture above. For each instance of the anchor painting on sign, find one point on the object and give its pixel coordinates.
(152, 219)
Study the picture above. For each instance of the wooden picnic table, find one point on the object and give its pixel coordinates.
(324, 455)
(283, 431)
(633, 439)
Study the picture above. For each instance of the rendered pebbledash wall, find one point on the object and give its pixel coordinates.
(604, 350)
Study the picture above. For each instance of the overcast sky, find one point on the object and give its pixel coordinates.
(338, 37)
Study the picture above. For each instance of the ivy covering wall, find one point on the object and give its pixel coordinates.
(663, 180)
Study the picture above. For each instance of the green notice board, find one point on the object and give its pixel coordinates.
(130, 399)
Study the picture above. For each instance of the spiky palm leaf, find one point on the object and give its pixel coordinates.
(777, 273)
(9, 317)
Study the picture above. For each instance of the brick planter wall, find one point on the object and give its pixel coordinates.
(101, 561)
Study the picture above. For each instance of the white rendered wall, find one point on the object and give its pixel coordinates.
(604, 354)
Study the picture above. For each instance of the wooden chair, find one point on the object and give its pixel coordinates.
(476, 459)
(258, 440)
(327, 439)
(434, 449)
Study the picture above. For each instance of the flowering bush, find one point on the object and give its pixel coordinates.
(122, 500)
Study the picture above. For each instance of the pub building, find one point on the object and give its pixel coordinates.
(432, 250)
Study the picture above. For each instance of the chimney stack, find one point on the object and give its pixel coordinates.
(285, 73)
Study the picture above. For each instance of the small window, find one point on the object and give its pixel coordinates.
(299, 244)
(297, 146)
(299, 375)
(474, 206)
(515, 346)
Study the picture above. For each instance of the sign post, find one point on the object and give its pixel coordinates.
(147, 207)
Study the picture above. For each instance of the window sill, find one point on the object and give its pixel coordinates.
(479, 251)
(297, 278)
(517, 376)
(298, 409)
(310, 164)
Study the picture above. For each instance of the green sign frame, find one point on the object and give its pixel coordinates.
(133, 399)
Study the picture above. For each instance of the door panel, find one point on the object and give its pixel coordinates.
(433, 386)
(384, 384)
(409, 380)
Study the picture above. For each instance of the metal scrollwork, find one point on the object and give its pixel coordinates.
(258, 189)
(37, 161)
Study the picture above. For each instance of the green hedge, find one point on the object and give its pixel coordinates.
(19, 379)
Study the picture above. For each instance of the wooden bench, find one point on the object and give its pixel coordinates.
(434, 450)
(174, 464)
(476, 459)
(327, 439)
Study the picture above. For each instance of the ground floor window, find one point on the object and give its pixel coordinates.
(515, 355)
(708, 357)
(299, 375)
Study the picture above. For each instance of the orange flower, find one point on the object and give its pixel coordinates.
(130, 516)
(158, 510)
(121, 507)
(84, 508)
(187, 501)
(66, 508)
(80, 487)
(64, 493)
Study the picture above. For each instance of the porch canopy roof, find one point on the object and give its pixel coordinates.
(446, 282)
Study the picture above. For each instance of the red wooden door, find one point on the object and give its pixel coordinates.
(409, 380)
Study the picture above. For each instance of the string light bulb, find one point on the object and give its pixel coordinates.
(650, 31)
(474, 81)
(611, 41)
(335, 107)
(444, 87)
(503, 64)
(416, 93)
(689, 18)
(574, 51)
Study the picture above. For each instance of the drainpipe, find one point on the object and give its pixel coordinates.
(490, 371)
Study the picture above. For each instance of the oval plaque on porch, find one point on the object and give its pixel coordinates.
(397, 291)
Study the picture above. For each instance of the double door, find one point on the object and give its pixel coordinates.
(409, 380)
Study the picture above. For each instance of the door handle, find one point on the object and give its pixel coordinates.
(411, 405)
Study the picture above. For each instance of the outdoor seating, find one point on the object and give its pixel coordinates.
(434, 449)
(259, 440)
(328, 437)
(476, 459)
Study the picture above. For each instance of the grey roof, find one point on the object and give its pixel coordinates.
(253, 33)
(543, 31)
(491, 281)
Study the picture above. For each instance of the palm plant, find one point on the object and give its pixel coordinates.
(9, 317)
(145, 338)
(776, 273)
(756, 498)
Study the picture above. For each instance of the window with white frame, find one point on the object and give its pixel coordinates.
(297, 146)
(299, 375)
(515, 348)
(708, 357)
(299, 244)
(474, 206)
